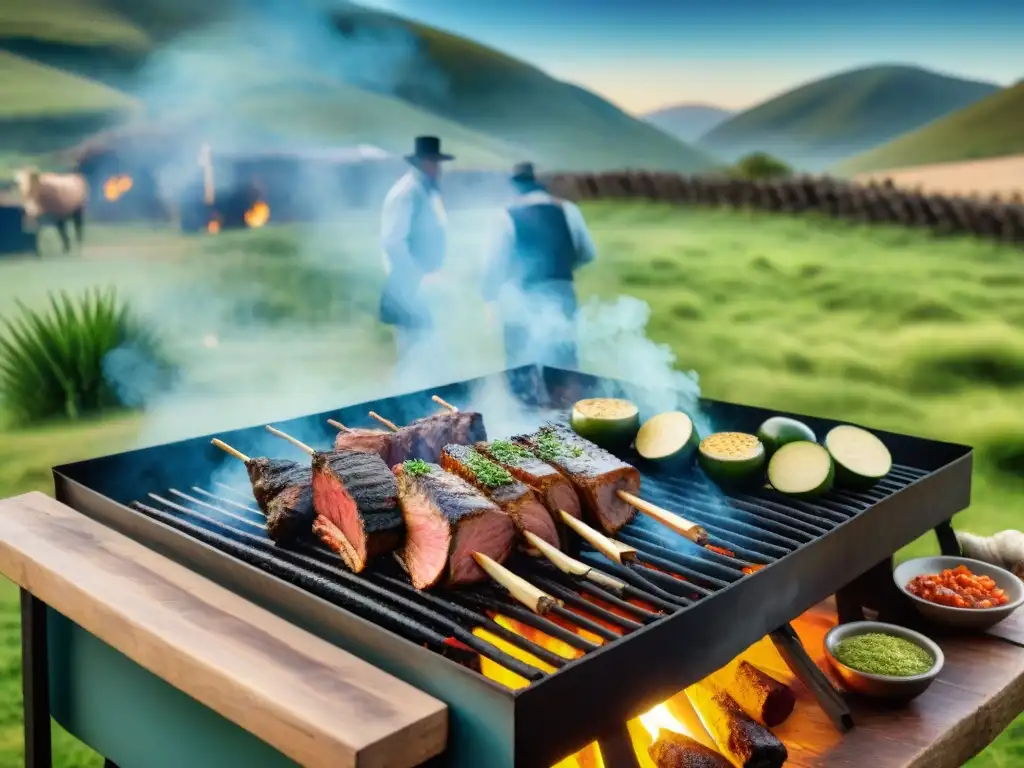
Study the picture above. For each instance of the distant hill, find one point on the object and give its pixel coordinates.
(992, 127)
(823, 122)
(350, 73)
(688, 122)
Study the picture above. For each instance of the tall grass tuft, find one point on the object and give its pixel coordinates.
(83, 355)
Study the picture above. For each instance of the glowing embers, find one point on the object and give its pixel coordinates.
(116, 187)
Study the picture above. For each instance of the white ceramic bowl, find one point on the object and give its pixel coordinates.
(882, 686)
(963, 618)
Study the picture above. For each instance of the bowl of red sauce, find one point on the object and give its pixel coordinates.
(958, 591)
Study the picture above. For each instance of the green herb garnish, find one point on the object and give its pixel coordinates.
(416, 467)
(881, 654)
(508, 452)
(486, 471)
(550, 448)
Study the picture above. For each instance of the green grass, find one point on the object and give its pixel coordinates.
(822, 122)
(989, 128)
(887, 327)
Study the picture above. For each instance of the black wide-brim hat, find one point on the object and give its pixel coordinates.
(524, 173)
(428, 148)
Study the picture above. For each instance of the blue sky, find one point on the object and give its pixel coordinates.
(643, 54)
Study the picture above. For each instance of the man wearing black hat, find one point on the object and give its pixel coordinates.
(540, 243)
(414, 233)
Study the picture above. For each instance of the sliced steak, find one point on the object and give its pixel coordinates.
(446, 520)
(283, 490)
(425, 438)
(355, 497)
(369, 440)
(513, 497)
(596, 474)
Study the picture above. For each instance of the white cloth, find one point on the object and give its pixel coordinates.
(414, 227)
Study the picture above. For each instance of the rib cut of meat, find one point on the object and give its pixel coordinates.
(425, 438)
(497, 483)
(370, 440)
(355, 497)
(595, 473)
(446, 520)
(283, 490)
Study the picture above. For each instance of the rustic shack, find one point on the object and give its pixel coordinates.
(14, 237)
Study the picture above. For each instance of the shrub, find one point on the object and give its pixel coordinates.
(760, 165)
(84, 355)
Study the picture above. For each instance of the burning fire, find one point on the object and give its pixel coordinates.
(258, 215)
(213, 226)
(116, 186)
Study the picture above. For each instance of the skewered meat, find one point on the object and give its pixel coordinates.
(744, 741)
(446, 520)
(355, 497)
(283, 490)
(761, 696)
(551, 485)
(513, 497)
(674, 750)
(596, 474)
(370, 440)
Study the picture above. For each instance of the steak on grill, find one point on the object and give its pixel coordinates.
(421, 439)
(497, 483)
(355, 497)
(595, 473)
(370, 440)
(283, 490)
(446, 520)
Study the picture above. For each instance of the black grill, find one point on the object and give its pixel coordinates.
(770, 558)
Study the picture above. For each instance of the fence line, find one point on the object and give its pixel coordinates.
(993, 218)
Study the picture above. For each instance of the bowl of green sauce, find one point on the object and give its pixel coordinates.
(883, 660)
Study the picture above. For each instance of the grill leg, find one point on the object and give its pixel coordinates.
(35, 682)
(947, 539)
(617, 749)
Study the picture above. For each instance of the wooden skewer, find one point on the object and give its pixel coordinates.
(613, 550)
(338, 425)
(536, 600)
(297, 443)
(228, 449)
(680, 525)
(573, 567)
(444, 404)
(389, 424)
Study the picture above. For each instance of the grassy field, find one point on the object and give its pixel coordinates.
(989, 128)
(886, 327)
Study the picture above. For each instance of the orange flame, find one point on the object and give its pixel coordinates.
(258, 215)
(213, 227)
(116, 186)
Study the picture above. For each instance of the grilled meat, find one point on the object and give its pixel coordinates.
(596, 474)
(283, 490)
(745, 742)
(446, 520)
(370, 440)
(761, 696)
(513, 497)
(674, 750)
(421, 439)
(355, 497)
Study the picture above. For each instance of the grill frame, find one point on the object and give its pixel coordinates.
(540, 724)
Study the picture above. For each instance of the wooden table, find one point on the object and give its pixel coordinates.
(154, 665)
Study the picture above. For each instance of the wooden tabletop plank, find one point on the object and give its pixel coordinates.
(316, 703)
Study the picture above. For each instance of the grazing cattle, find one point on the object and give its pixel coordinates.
(54, 197)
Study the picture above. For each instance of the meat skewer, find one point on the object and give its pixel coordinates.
(446, 521)
(444, 404)
(513, 497)
(283, 490)
(371, 440)
(747, 743)
(355, 498)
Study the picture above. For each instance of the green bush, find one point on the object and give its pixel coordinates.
(760, 165)
(81, 356)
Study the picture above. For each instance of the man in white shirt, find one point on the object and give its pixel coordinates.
(540, 242)
(413, 233)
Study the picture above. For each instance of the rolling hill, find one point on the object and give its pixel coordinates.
(826, 121)
(352, 75)
(992, 127)
(688, 122)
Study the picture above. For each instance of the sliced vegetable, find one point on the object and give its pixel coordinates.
(861, 458)
(609, 422)
(731, 458)
(668, 438)
(801, 469)
(780, 430)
